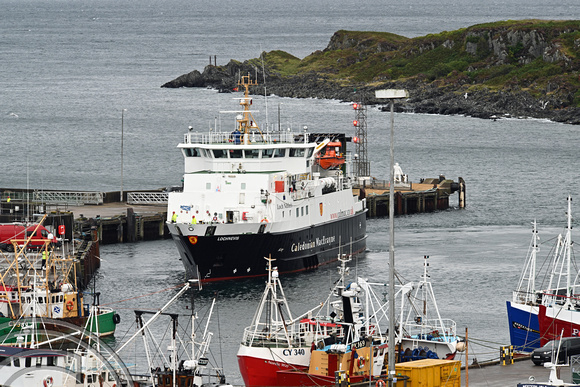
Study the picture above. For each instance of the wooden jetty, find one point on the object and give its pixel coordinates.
(410, 198)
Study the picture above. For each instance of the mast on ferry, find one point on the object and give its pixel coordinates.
(245, 121)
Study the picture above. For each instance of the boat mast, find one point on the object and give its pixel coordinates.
(246, 121)
(568, 248)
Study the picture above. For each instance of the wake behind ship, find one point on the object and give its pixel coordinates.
(249, 194)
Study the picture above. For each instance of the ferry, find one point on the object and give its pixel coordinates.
(248, 194)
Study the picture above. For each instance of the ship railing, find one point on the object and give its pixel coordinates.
(255, 137)
(147, 197)
(259, 337)
(435, 328)
(524, 297)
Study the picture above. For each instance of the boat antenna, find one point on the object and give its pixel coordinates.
(265, 91)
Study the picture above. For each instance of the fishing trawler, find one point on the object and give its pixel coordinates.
(43, 283)
(345, 332)
(249, 193)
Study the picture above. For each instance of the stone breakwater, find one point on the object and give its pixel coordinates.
(424, 97)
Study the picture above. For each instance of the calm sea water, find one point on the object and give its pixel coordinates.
(69, 68)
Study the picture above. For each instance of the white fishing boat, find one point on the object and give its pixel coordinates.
(280, 350)
(52, 352)
(423, 333)
(250, 193)
(186, 362)
(43, 283)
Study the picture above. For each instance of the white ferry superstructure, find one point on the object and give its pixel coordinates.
(247, 195)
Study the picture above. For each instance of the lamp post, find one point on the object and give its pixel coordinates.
(391, 95)
(122, 130)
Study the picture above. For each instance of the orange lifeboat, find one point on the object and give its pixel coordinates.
(330, 157)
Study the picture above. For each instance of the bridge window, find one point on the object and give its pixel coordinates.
(297, 152)
(310, 151)
(16, 361)
(252, 153)
(235, 153)
(280, 152)
(267, 153)
(220, 153)
(192, 152)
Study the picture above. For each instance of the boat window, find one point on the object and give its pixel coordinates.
(297, 212)
(306, 210)
(267, 153)
(61, 298)
(301, 211)
(310, 151)
(243, 186)
(50, 361)
(280, 152)
(39, 361)
(204, 153)
(297, 152)
(28, 362)
(252, 153)
(192, 152)
(208, 185)
(41, 300)
(16, 362)
(235, 153)
(220, 153)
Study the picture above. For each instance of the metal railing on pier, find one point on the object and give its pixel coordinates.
(147, 197)
(68, 197)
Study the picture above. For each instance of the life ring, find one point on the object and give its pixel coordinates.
(361, 362)
(116, 318)
(215, 218)
(380, 383)
(47, 382)
(265, 221)
(69, 306)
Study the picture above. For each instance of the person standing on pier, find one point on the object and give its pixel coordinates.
(43, 264)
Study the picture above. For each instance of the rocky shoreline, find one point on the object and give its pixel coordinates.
(424, 98)
(528, 68)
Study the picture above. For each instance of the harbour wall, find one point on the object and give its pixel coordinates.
(141, 215)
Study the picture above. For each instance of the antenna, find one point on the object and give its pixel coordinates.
(265, 92)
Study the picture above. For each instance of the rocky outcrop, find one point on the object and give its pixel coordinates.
(450, 91)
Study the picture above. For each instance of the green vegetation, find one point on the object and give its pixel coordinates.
(539, 56)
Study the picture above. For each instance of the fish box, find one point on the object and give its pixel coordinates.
(430, 372)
